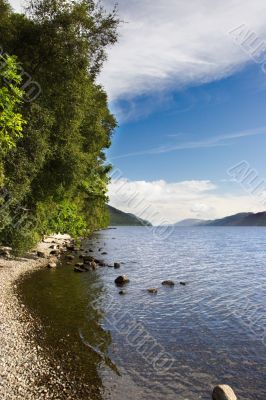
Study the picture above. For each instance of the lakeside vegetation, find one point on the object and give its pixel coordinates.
(54, 119)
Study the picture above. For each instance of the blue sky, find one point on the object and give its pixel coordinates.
(206, 119)
(186, 82)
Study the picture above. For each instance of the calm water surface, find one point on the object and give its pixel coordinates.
(177, 344)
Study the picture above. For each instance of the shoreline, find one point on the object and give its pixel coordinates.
(25, 373)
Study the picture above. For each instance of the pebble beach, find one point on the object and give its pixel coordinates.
(25, 373)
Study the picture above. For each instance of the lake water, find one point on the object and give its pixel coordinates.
(177, 344)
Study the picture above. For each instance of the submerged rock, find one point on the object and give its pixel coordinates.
(70, 257)
(183, 283)
(223, 392)
(121, 280)
(122, 292)
(78, 269)
(168, 283)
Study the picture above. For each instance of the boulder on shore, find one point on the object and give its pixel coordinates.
(5, 251)
(223, 392)
(168, 283)
(122, 280)
(52, 265)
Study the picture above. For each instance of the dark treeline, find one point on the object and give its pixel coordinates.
(54, 119)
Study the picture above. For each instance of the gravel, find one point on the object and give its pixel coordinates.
(25, 373)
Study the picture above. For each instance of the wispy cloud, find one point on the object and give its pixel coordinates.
(216, 141)
(166, 45)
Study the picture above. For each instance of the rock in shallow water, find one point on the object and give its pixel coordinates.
(223, 392)
(152, 290)
(122, 280)
(168, 283)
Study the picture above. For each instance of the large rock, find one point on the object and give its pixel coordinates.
(223, 392)
(122, 280)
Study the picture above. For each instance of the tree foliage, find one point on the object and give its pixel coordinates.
(56, 169)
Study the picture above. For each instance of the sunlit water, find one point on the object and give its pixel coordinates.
(177, 344)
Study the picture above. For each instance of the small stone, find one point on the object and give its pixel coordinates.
(168, 283)
(87, 259)
(41, 254)
(93, 265)
(70, 257)
(79, 265)
(122, 292)
(223, 392)
(116, 265)
(183, 283)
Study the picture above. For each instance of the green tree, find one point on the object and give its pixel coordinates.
(11, 120)
(57, 171)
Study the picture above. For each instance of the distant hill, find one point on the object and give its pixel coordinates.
(191, 222)
(120, 218)
(241, 219)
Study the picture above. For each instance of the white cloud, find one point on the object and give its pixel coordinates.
(168, 44)
(162, 202)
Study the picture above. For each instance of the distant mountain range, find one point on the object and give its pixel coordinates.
(120, 218)
(241, 219)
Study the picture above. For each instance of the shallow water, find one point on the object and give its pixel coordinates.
(177, 344)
